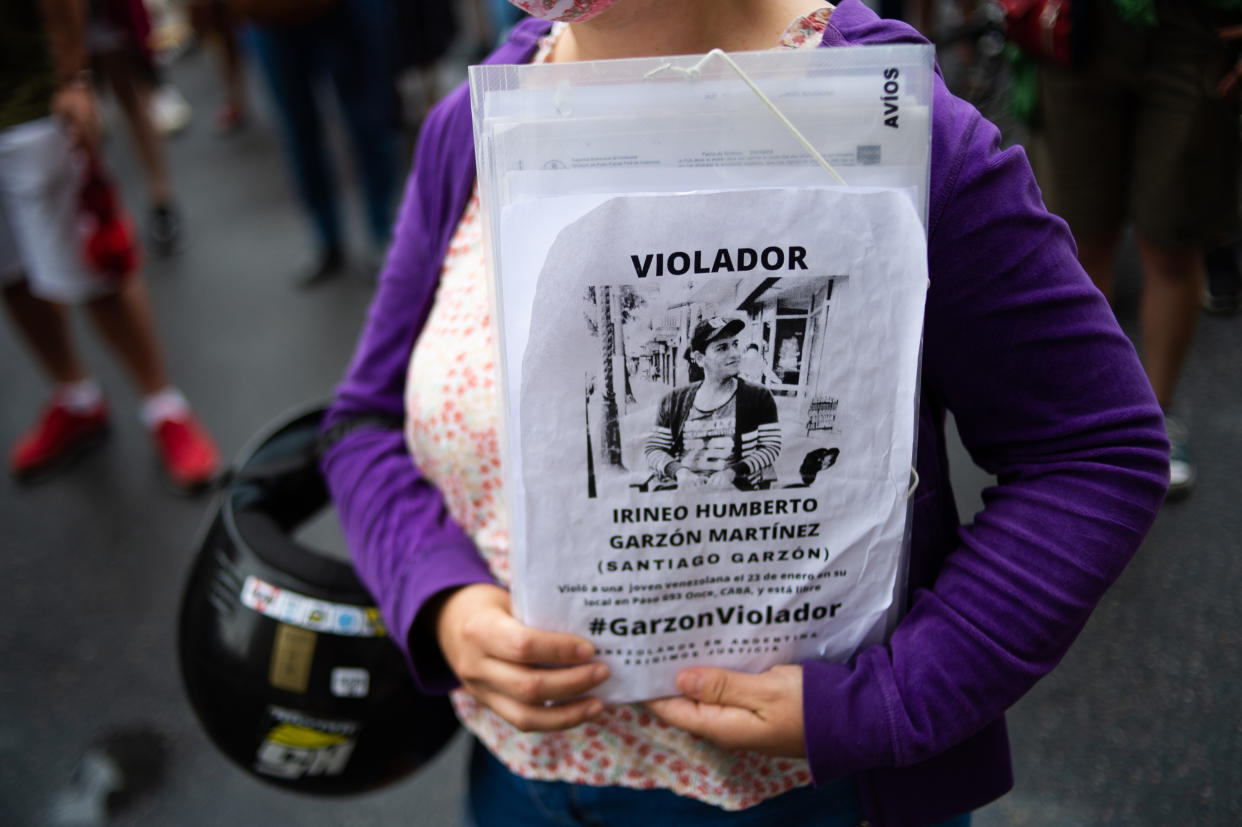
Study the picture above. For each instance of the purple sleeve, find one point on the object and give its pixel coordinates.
(405, 545)
(1048, 395)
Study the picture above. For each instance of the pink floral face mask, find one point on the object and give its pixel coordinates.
(570, 11)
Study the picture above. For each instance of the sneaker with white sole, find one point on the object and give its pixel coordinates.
(1181, 468)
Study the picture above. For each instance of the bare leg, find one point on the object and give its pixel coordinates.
(213, 21)
(134, 97)
(1172, 287)
(125, 321)
(234, 75)
(185, 447)
(45, 327)
(1097, 254)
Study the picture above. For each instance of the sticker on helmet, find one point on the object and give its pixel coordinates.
(293, 652)
(309, 613)
(298, 746)
(348, 682)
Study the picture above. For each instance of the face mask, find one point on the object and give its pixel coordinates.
(570, 11)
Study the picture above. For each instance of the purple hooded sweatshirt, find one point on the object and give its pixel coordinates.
(1048, 396)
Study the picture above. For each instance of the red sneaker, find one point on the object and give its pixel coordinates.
(57, 437)
(188, 452)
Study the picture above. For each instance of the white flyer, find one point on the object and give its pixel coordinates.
(710, 416)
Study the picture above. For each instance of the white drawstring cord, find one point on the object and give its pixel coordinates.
(695, 71)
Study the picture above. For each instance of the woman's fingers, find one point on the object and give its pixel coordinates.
(476, 620)
(531, 678)
(727, 727)
(736, 689)
(535, 686)
(542, 718)
(500, 635)
(737, 710)
(535, 699)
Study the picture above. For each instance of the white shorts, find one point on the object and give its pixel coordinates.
(39, 240)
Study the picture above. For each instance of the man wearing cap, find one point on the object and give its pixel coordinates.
(721, 432)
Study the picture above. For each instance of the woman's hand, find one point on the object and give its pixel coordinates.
(526, 676)
(738, 710)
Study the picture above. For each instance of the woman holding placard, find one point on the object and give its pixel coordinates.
(1045, 389)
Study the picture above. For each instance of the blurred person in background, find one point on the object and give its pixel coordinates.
(923, 14)
(347, 43)
(170, 36)
(48, 124)
(425, 30)
(214, 22)
(920, 16)
(504, 15)
(1141, 133)
(116, 36)
(1223, 292)
(486, 23)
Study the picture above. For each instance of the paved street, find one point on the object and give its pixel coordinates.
(1140, 725)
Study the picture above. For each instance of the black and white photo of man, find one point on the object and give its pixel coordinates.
(721, 432)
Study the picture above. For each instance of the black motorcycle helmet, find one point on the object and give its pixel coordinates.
(283, 654)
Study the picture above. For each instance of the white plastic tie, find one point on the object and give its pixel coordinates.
(696, 71)
(914, 483)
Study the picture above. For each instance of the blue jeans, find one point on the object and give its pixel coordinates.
(350, 47)
(498, 797)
